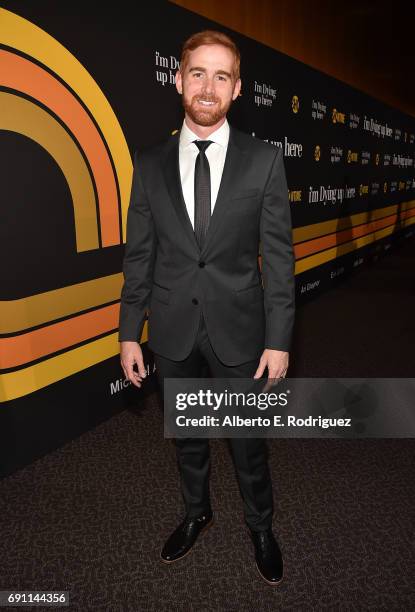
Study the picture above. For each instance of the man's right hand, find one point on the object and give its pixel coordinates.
(131, 353)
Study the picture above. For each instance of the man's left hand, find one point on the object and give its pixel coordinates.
(276, 362)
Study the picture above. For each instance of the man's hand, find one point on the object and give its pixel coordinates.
(277, 364)
(130, 353)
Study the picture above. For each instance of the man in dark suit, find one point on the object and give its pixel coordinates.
(202, 205)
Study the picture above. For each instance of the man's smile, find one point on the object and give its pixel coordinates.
(206, 102)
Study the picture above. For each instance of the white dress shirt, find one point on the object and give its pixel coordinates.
(215, 153)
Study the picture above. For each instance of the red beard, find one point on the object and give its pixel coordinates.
(205, 116)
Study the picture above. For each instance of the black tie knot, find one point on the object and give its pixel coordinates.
(202, 145)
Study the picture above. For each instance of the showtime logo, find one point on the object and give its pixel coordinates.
(295, 195)
(337, 116)
(352, 156)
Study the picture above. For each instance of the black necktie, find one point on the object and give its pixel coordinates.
(202, 192)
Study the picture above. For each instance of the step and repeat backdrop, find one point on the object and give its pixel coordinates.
(80, 90)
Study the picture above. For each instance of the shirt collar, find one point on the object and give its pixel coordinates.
(219, 136)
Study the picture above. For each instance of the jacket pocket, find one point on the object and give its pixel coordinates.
(250, 294)
(248, 193)
(160, 293)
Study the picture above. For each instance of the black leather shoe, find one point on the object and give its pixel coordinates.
(184, 537)
(268, 556)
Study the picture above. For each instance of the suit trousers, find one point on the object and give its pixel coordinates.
(193, 454)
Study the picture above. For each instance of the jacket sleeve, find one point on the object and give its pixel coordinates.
(277, 259)
(138, 261)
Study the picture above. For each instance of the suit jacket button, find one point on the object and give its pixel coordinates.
(201, 264)
(195, 301)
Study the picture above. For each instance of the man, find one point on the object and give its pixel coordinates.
(201, 206)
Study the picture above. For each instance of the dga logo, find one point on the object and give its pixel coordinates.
(385, 187)
(377, 158)
(317, 153)
(337, 116)
(295, 104)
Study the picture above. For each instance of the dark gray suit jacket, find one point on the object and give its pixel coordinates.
(166, 273)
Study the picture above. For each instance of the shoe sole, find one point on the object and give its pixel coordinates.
(268, 581)
(190, 549)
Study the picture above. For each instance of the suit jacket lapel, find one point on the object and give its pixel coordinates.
(232, 171)
(172, 175)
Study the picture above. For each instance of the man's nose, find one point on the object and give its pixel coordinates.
(209, 85)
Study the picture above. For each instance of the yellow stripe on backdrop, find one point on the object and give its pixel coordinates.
(27, 380)
(320, 258)
(323, 257)
(315, 230)
(19, 33)
(43, 308)
(24, 117)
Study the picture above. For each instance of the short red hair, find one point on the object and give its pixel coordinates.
(211, 37)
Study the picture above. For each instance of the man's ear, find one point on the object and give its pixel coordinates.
(236, 89)
(178, 80)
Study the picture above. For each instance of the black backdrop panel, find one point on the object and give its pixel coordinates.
(349, 161)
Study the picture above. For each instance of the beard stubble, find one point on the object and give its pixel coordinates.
(205, 117)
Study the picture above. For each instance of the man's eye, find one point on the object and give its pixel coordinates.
(221, 77)
(197, 74)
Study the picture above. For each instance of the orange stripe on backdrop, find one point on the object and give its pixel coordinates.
(319, 244)
(25, 117)
(324, 228)
(316, 253)
(18, 350)
(24, 348)
(22, 75)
